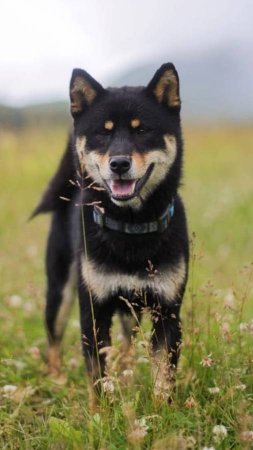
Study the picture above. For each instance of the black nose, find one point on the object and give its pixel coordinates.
(120, 164)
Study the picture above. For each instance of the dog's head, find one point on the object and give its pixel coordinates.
(126, 138)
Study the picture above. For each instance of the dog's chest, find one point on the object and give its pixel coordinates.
(104, 283)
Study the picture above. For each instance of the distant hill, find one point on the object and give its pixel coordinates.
(38, 115)
(215, 86)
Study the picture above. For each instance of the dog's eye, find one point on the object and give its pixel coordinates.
(103, 132)
(143, 130)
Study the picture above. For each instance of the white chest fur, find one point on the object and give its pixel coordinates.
(102, 284)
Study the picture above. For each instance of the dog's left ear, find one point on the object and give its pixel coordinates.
(165, 86)
(83, 91)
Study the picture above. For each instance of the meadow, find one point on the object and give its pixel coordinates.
(212, 406)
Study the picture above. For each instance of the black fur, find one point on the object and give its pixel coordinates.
(74, 236)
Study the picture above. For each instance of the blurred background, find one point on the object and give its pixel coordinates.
(124, 42)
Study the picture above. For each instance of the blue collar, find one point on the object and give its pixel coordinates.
(159, 225)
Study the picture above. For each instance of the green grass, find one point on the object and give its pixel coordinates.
(217, 313)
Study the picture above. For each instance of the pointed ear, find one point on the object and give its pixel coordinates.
(165, 86)
(83, 91)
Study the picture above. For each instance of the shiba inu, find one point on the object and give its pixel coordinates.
(120, 236)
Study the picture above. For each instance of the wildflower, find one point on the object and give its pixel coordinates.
(207, 361)
(247, 436)
(190, 442)
(219, 432)
(243, 326)
(127, 373)
(240, 387)
(208, 448)
(108, 386)
(190, 402)
(138, 432)
(9, 390)
(214, 390)
(15, 301)
(229, 299)
(34, 352)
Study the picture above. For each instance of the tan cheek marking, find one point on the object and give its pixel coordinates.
(139, 161)
(102, 161)
(109, 125)
(135, 123)
(80, 148)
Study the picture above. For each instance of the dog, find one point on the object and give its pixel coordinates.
(119, 231)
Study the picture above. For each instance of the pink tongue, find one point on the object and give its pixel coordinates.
(122, 187)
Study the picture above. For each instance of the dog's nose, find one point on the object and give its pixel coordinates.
(120, 164)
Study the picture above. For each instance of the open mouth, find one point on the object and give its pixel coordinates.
(127, 189)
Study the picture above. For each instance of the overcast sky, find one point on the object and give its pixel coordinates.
(41, 41)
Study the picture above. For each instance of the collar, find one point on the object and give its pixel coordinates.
(159, 225)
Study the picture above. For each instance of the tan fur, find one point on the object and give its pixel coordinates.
(54, 360)
(109, 125)
(98, 168)
(103, 284)
(81, 90)
(168, 82)
(135, 123)
(89, 161)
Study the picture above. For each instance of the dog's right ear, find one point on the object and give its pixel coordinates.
(83, 91)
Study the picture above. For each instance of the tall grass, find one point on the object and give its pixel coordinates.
(214, 378)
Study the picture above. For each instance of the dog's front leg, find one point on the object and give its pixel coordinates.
(96, 319)
(166, 345)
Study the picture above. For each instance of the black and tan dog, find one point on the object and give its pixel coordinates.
(122, 237)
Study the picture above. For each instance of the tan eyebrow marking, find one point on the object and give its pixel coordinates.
(109, 125)
(135, 123)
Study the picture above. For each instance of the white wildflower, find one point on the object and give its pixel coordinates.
(108, 386)
(9, 390)
(229, 299)
(127, 373)
(214, 390)
(243, 326)
(240, 387)
(219, 432)
(15, 301)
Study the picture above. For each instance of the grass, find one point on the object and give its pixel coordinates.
(38, 413)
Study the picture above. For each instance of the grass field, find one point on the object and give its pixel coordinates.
(215, 375)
